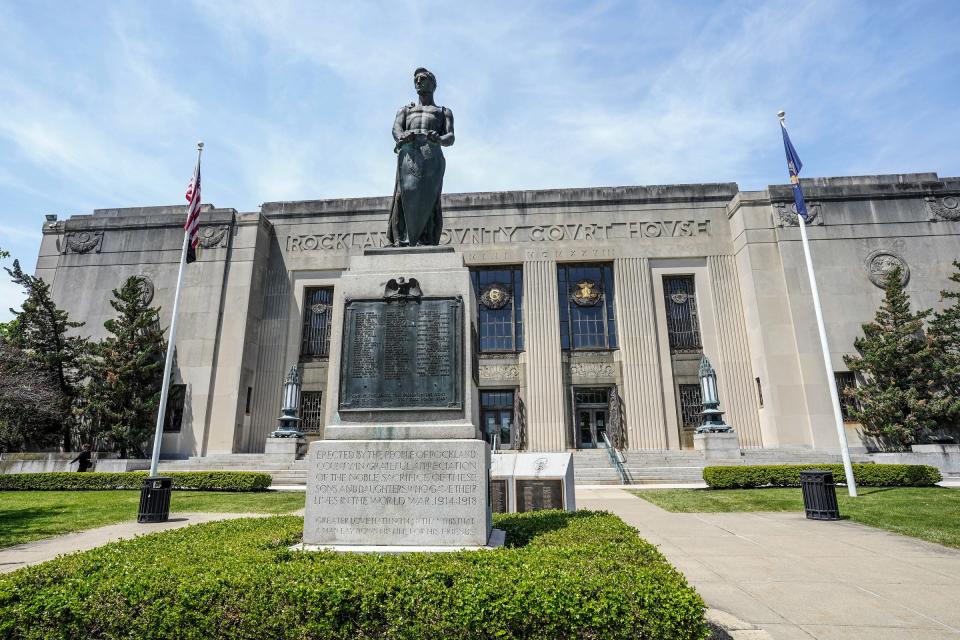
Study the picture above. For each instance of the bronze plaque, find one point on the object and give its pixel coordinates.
(402, 354)
(499, 499)
(537, 495)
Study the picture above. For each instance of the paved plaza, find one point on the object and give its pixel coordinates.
(799, 578)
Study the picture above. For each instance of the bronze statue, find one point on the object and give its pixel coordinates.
(420, 130)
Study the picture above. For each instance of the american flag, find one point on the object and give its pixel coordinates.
(192, 226)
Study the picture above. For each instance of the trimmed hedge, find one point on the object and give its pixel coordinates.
(788, 475)
(72, 481)
(583, 575)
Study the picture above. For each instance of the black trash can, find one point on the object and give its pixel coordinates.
(819, 495)
(155, 499)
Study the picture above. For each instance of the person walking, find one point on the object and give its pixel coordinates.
(84, 459)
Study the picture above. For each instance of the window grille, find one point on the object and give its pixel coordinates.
(317, 313)
(586, 306)
(683, 326)
(311, 412)
(691, 405)
(846, 380)
(497, 415)
(500, 318)
(173, 419)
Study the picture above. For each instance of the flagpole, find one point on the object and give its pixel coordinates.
(828, 367)
(168, 365)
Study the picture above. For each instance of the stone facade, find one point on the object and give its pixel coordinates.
(740, 253)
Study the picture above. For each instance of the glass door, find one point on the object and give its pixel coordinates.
(591, 417)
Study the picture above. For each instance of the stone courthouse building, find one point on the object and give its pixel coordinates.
(595, 305)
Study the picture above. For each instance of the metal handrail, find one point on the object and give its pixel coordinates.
(616, 459)
(495, 443)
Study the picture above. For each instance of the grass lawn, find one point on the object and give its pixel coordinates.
(31, 515)
(930, 513)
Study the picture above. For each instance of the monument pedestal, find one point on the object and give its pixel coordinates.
(283, 449)
(402, 466)
(718, 447)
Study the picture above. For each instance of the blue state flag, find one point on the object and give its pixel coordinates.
(794, 165)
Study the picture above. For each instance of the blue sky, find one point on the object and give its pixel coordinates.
(101, 103)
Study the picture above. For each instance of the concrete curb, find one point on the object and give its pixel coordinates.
(734, 627)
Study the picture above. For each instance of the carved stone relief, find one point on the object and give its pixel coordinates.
(881, 262)
(213, 237)
(83, 242)
(499, 372)
(592, 370)
(146, 289)
(947, 208)
(785, 214)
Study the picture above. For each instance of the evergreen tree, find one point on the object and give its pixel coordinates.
(127, 372)
(944, 334)
(896, 397)
(41, 330)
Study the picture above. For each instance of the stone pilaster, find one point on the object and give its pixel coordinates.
(734, 374)
(546, 406)
(642, 385)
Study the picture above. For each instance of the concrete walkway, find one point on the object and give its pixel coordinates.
(798, 578)
(22, 555)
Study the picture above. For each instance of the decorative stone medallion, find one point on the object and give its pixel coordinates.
(83, 242)
(145, 284)
(881, 262)
(786, 214)
(586, 293)
(212, 237)
(495, 296)
(947, 208)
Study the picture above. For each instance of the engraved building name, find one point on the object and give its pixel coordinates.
(489, 235)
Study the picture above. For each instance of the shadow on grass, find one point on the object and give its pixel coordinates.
(17, 525)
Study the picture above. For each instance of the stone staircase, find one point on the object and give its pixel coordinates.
(593, 466)
(288, 473)
(590, 466)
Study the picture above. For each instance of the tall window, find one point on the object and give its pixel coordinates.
(310, 408)
(173, 418)
(317, 313)
(500, 308)
(586, 306)
(691, 405)
(683, 325)
(496, 415)
(845, 380)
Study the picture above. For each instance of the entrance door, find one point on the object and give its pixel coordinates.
(591, 415)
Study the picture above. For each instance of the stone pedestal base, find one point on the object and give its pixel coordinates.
(283, 449)
(397, 493)
(717, 447)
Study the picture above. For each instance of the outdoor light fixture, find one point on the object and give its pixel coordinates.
(712, 415)
(288, 422)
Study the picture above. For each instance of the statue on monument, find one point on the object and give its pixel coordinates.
(420, 130)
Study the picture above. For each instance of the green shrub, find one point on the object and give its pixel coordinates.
(788, 475)
(70, 481)
(562, 575)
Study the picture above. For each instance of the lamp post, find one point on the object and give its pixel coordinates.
(288, 421)
(712, 415)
